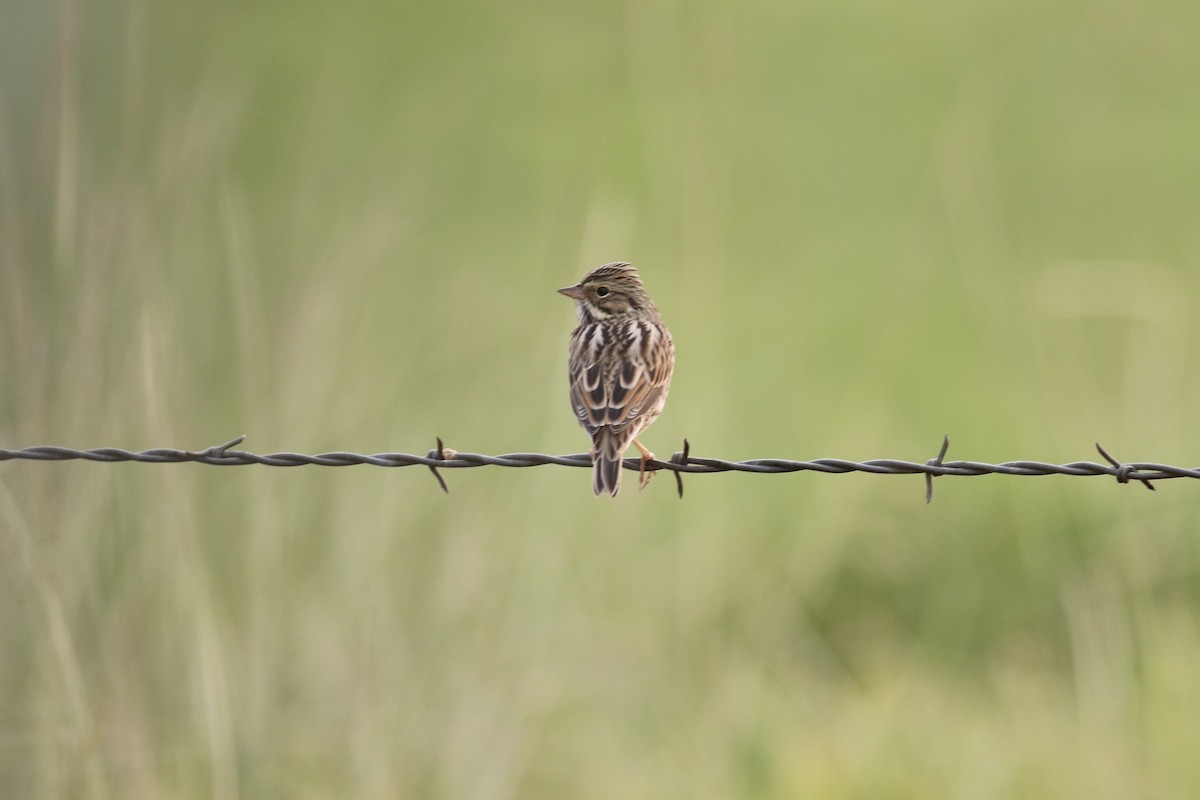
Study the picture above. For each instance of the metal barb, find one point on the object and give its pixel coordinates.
(681, 458)
(1123, 470)
(218, 450)
(935, 462)
(440, 454)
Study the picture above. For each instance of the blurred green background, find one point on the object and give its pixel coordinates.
(340, 227)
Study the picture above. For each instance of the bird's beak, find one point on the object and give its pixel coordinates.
(574, 292)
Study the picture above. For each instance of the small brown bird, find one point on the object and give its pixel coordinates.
(620, 360)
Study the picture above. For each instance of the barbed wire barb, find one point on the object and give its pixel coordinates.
(681, 458)
(218, 450)
(442, 457)
(935, 462)
(1123, 470)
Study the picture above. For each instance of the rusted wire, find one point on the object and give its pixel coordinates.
(681, 462)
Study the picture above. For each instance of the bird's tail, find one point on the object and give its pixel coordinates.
(607, 451)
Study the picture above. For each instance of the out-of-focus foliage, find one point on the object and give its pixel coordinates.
(340, 226)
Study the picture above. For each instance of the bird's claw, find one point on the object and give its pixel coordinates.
(644, 476)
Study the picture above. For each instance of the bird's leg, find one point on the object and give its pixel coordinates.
(643, 476)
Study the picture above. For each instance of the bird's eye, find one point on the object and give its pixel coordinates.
(602, 291)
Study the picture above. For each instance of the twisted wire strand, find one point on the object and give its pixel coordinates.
(443, 457)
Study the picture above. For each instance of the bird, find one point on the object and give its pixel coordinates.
(620, 362)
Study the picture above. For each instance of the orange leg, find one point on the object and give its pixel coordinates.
(643, 476)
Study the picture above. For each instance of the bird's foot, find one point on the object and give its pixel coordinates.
(644, 476)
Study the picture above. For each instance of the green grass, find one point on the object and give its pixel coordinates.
(341, 229)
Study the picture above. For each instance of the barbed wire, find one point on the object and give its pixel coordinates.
(442, 457)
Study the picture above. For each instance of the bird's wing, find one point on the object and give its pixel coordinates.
(617, 389)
